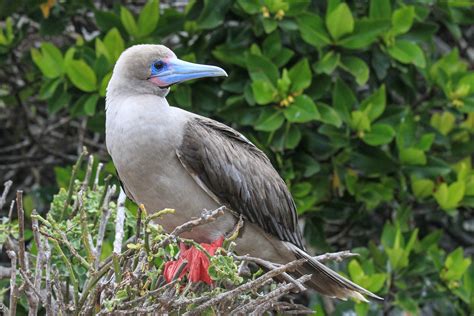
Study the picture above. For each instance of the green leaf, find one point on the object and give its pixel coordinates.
(412, 156)
(343, 99)
(455, 265)
(300, 76)
(357, 67)
(380, 9)
(269, 25)
(467, 80)
(284, 83)
(269, 120)
(329, 115)
(50, 60)
(128, 22)
(402, 20)
(302, 110)
(81, 75)
(104, 83)
(272, 45)
(422, 188)
(328, 63)
(365, 33)
(213, 13)
(456, 193)
(261, 68)
(59, 100)
(355, 270)
(312, 30)
(230, 55)
(444, 122)
(114, 43)
(90, 104)
(374, 105)
(407, 53)
(49, 88)
(182, 95)
(263, 92)
(426, 141)
(148, 18)
(249, 6)
(101, 50)
(448, 198)
(360, 121)
(340, 21)
(379, 134)
(292, 137)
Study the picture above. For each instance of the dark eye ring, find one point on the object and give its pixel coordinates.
(159, 65)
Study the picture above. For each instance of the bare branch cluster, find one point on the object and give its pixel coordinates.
(130, 280)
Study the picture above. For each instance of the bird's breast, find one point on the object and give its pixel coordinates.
(142, 144)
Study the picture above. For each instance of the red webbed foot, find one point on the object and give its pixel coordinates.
(198, 262)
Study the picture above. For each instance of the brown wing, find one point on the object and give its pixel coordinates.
(240, 176)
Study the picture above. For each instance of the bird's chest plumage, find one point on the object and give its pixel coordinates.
(142, 141)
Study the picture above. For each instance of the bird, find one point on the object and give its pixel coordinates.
(167, 157)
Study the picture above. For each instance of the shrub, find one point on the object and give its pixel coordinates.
(365, 107)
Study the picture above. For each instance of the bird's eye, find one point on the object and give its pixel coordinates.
(159, 65)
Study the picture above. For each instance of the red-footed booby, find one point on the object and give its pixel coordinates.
(170, 158)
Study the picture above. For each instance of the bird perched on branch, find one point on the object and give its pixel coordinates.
(170, 158)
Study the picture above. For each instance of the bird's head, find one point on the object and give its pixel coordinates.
(154, 68)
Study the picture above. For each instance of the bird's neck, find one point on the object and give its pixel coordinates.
(119, 90)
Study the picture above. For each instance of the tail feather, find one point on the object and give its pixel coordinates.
(330, 283)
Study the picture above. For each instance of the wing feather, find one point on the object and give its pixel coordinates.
(236, 173)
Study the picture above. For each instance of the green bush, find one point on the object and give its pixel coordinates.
(365, 108)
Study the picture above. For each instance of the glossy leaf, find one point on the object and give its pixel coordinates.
(302, 110)
(448, 197)
(90, 104)
(340, 21)
(263, 91)
(343, 100)
(128, 22)
(81, 75)
(375, 104)
(366, 32)
(380, 9)
(261, 68)
(422, 188)
(412, 156)
(312, 30)
(357, 67)
(49, 60)
(300, 76)
(379, 134)
(269, 120)
(148, 18)
(114, 43)
(328, 63)
(329, 115)
(408, 53)
(402, 20)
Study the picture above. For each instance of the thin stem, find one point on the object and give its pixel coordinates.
(71, 182)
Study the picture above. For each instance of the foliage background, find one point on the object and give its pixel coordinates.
(365, 107)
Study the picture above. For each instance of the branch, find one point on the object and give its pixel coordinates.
(206, 217)
(3, 199)
(246, 287)
(103, 224)
(261, 304)
(270, 265)
(13, 287)
(335, 256)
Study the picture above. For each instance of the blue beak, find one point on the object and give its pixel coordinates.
(176, 70)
